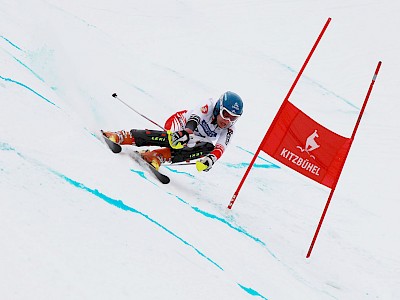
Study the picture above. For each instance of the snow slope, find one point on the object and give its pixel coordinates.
(79, 222)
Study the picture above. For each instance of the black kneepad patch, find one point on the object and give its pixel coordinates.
(150, 138)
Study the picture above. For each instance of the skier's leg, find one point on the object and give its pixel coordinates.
(137, 137)
(174, 140)
(149, 137)
(159, 156)
(190, 153)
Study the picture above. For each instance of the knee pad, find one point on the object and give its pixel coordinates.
(150, 137)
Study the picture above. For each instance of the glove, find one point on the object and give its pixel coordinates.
(205, 164)
(178, 139)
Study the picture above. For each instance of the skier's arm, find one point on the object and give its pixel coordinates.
(192, 123)
(182, 137)
(191, 126)
(179, 130)
(194, 116)
(207, 162)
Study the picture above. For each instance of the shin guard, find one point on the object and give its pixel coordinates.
(190, 153)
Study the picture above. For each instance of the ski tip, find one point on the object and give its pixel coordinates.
(166, 180)
(115, 148)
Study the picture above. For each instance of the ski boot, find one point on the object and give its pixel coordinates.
(121, 137)
(157, 157)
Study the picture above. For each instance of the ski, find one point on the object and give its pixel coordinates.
(114, 147)
(164, 179)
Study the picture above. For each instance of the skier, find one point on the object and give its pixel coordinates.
(203, 132)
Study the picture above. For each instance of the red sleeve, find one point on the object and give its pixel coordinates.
(176, 122)
(218, 150)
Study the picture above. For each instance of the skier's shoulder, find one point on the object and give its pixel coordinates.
(203, 108)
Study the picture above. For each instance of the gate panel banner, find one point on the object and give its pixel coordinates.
(306, 146)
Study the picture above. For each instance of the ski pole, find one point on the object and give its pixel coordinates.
(182, 164)
(116, 97)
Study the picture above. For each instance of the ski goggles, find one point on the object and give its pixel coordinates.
(227, 115)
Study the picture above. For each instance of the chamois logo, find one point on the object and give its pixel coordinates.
(311, 144)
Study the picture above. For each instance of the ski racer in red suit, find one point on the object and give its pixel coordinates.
(204, 132)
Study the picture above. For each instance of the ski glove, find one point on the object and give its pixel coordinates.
(205, 164)
(178, 139)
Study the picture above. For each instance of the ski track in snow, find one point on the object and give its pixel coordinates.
(29, 89)
(121, 205)
(26, 67)
(207, 214)
(236, 228)
(11, 43)
(18, 60)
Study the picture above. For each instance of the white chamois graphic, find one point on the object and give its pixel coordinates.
(311, 144)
